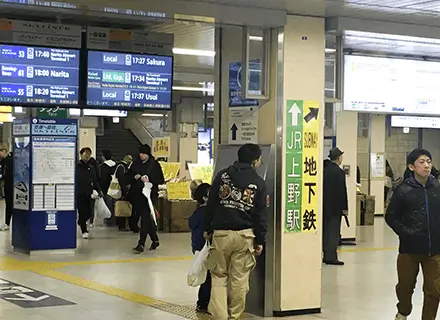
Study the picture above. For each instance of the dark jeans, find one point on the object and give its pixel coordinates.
(84, 203)
(121, 222)
(205, 293)
(110, 202)
(92, 215)
(331, 237)
(141, 211)
(9, 201)
(408, 266)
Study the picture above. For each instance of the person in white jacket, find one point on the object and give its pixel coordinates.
(108, 168)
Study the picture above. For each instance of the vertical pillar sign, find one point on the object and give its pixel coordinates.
(301, 165)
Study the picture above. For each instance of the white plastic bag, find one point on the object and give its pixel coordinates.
(101, 209)
(147, 193)
(114, 190)
(95, 195)
(197, 272)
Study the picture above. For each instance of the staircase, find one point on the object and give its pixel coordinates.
(118, 140)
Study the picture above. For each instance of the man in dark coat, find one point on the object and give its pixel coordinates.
(335, 205)
(7, 164)
(413, 214)
(144, 169)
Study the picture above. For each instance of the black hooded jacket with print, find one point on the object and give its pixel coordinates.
(237, 201)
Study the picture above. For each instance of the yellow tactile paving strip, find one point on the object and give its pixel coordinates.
(52, 270)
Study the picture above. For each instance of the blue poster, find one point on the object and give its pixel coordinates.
(235, 88)
(21, 156)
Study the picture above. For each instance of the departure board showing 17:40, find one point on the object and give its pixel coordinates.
(38, 75)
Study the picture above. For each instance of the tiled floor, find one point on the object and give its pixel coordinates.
(105, 281)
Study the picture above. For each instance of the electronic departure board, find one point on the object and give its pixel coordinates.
(36, 75)
(129, 81)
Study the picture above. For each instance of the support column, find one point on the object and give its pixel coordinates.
(346, 140)
(298, 257)
(377, 146)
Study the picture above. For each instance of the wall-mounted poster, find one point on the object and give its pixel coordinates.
(21, 156)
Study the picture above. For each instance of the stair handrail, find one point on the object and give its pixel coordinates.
(144, 128)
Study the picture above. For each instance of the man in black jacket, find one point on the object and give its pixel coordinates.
(335, 205)
(414, 215)
(236, 221)
(144, 169)
(86, 183)
(7, 163)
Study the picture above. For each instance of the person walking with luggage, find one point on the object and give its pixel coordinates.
(86, 183)
(7, 163)
(145, 169)
(197, 226)
(414, 215)
(334, 207)
(121, 174)
(108, 168)
(236, 223)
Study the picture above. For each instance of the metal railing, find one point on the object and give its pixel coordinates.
(141, 132)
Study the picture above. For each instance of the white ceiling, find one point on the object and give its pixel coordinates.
(422, 12)
(391, 44)
(190, 70)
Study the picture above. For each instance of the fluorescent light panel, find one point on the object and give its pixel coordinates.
(198, 89)
(194, 52)
(255, 38)
(153, 115)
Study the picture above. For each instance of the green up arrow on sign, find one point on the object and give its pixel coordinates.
(50, 113)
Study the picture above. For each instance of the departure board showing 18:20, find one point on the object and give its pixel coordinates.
(36, 75)
(129, 80)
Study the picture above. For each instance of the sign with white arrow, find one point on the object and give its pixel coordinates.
(294, 111)
(26, 297)
(243, 125)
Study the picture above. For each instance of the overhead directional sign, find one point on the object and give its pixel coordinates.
(26, 297)
(243, 125)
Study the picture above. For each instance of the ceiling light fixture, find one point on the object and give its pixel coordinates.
(255, 38)
(329, 50)
(198, 89)
(194, 52)
(157, 115)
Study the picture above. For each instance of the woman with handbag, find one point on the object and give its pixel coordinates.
(122, 206)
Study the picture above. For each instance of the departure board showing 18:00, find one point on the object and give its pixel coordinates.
(36, 75)
(130, 81)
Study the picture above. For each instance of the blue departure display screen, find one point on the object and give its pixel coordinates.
(37, 75)
(129, 80)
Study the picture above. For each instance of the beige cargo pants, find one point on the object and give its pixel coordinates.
(230, 261)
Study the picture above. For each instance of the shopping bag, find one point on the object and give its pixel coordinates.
(95, 195)
(147, 193)
(114, 190)
(122, 209)
(198, 271)
(101, 209)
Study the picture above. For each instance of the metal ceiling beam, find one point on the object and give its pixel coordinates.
(337, 26)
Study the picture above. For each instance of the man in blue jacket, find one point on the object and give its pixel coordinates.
(414, 215)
